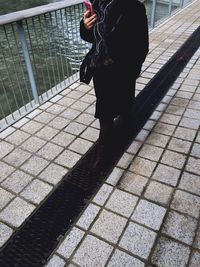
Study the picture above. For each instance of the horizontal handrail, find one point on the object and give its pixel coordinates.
(35, 11)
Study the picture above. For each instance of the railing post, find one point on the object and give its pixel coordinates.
(181, 3)
(170, 7)
(153, 13)
(28, 61)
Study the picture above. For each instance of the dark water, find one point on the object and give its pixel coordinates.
(7, 6)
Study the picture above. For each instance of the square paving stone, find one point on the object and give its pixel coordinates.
(164, 128)
(66, 101)
(68, 158)
(173, 159)
(92, 252)
(157, 139)
(53, 173)
(187, 203)
(17, 157)
(197, 239)
(5, 149)
(122, 202)
(80, 145)
(50, 151)
(193, 165)
(179, 145)
(114, 176)
(36, 191)
(34, 165)
(90, 134)
(33, 144)
(189, 123)
(142, 135)
(124, 161)
(6, 132)
(195, 260)
(32, 127)
(180, 227)
(85, 119)
(16, 212)
(56, 262)
(149, 214)
(150, 152)
(5, 198)
(142, 166)
(133, 183)
(59, 123)
(190, 183)
(88, 216)
(170, 118)
(138, 240)
(63, 139)
(17, 181)
(196, 149)
(170, 254)
(5, 170)
(109, 226)
(166, 174)
(121, 258)
(185, 133)
(70, 242)
(5, 233)
(103, 194)
(17, 137)
(75, 128)
(47, 133)
(70, 113)
(159, 192)
(134, 147)
(44, 117)
(55, 109)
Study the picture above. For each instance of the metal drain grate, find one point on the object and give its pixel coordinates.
(35, 240)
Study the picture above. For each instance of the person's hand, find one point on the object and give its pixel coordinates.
(89, 20)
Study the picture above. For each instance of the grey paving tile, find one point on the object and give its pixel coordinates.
(16, 212)
(146, 212)
(47, 133)
(125, 161)
(45, 105)
(189, 123)
(173, 159)
(157, 139)
(6, 148)
(138, 240)
(7, 132)
(88, 216)
(121, 258)
(63, 139)
(90, 134)
(34, 165)
(32, 127)
(53, 173)
(70, 242)
(34, 113)
(70, 113)
(5, 170)
(150, 152)
(5, 233)
(114, 176)
(187, 203)
(133, 183)
(88, 98)
(195, 260)
(185, 133)
(66, 101)
(56, 261)
(85, 119)
(190, 183)
(80, 145)
(166, 174)
(170, 118)
(17, 137)
(56, 98)
(159, 192)
(17, 181)
(59, 123)
(5, 198)
(179, 145)
(68, 159)
(55, 109)
(134, 147)
(198, 137)
(92, 252)
(196, 150)
(180, 227)
(176, 110)
(75, 94)
(170, 254)
(142, 166)
(75, 128)
(36, 191)
(193, 165)
(164, 128)
(17, 157)
(33, 144)
(192, 113)
(122, 202)
(80, 105)
(103, 194)
(197, 239)
(109, 226)
(50, 151)
(142, 135)
(44, 117)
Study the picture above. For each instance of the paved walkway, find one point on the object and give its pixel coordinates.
(147, 213)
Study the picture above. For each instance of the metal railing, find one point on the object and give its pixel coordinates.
(41, 51)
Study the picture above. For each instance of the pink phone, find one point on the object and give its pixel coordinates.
(89, 6)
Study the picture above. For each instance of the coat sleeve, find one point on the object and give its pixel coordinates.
(86, 35)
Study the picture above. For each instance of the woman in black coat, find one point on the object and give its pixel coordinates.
(118, 31)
